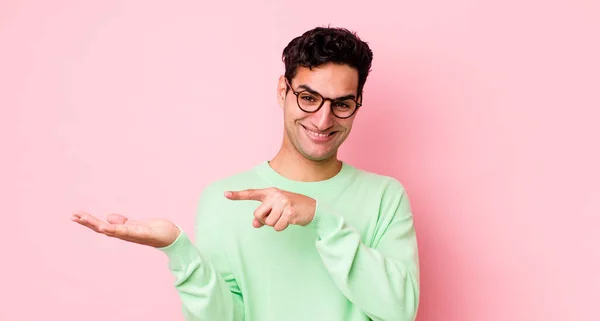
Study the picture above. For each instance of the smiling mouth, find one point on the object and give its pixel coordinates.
(318, 135)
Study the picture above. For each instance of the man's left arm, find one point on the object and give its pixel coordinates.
(381, 279)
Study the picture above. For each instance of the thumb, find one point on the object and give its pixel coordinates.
(116, 219)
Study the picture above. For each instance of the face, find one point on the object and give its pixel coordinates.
(317, 136)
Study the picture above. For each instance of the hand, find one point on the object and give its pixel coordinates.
(153, 232)
(279, 208)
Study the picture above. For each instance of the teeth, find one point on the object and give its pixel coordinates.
(316, 134)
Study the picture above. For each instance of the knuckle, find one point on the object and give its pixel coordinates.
(288, 212)
(291, 218)
(259, 214)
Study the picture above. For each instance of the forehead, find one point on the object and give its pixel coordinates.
(332, 80)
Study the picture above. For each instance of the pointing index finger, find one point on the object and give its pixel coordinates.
(247, 194)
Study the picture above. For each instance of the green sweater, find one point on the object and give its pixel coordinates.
(356, 260)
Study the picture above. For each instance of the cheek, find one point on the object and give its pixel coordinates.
(347, 124)
(288, 116)
(291, 113)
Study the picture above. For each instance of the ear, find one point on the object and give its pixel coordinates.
(281, 91)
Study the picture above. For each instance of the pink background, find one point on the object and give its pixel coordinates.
(487, 111)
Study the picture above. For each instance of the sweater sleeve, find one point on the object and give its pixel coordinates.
(381, 279)
(203, 278)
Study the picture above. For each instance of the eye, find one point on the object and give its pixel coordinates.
(342, 104)
(308, 98)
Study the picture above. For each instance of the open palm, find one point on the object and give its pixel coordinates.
(152, 232)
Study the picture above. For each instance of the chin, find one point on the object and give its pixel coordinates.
(318, 156)
(316, 152)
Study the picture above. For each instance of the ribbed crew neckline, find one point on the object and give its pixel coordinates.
(339, 181)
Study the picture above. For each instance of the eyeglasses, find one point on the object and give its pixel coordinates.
(311, 101)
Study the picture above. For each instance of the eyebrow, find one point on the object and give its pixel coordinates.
(312, 91)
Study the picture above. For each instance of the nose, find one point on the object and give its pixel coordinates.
(323, 118)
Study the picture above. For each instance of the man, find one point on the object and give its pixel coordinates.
(326, 241)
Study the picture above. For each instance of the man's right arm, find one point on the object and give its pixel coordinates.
(203, 277)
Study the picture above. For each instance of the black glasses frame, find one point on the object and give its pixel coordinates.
(297, 94)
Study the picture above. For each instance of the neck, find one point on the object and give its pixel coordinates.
(294, 166)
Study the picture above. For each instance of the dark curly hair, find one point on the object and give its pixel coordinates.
(322, 45)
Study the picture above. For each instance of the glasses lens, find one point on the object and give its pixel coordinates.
(308, 101)
(343, 108)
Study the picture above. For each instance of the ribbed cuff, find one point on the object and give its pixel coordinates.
(181, 252)
(325, 220)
